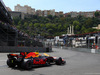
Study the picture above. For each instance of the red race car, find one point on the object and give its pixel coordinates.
(29, 60)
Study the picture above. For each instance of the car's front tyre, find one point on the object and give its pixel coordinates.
(59, 61)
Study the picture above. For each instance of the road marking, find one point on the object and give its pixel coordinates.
(92, 73)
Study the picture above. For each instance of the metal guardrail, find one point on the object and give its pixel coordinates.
(24, 49)
(88, 50)
(85, 50)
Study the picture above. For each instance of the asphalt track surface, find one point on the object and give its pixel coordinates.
(77, 63)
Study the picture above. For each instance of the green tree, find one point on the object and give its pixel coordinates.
(50, 31)
(31, 24)
(89, 23)
(59, 27)
(76, 23)
(48, 25)
(36, 25)
(77, 27)
(97, 14)
(56, 25)
(83, 29)
(50, 17)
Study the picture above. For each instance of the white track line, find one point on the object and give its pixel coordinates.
(92, 73)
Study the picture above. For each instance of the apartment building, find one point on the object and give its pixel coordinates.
(25, 9)
(61, 13)
(48, 12)
(66, 14)
(89, 14)
(74, 14)
(52, 12)
(45, 13)
(38, 12)
(85, 14)
(56, 14)
(28, 10)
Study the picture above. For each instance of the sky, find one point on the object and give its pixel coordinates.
(59, 5)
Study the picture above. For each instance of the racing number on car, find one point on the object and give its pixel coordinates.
(39, 61)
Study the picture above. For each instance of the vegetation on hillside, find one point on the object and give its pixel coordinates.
(53, 25)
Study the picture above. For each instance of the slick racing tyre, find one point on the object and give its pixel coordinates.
(11, 62)
(63, 62)
(48, 63)
(27, 65)
(59, 61)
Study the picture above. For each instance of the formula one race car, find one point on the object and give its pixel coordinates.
(28, 60)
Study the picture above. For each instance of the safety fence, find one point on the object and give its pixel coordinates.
(24, 49)
(87, 50)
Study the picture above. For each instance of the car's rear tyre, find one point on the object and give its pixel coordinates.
(59, 61)
(27, 65)
(48, 63)
(64, 62)
(11, 62)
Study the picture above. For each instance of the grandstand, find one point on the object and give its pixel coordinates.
(6, 30)
(12, 39)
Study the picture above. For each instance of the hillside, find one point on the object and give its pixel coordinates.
(53, 25)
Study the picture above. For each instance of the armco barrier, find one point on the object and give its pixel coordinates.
(24, 49)
(88, 50)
